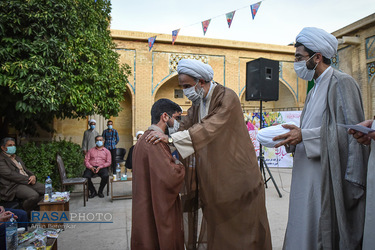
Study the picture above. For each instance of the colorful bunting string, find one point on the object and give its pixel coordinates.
(205, 25)
(151, 41)
(174, 35)
(229, 16)
(254, 8)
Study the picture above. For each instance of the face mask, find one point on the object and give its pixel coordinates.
(302, 71)
(99, 144)
(92, 126)
(11, 150)
(193, 95)
(110, 126)
(174, 129)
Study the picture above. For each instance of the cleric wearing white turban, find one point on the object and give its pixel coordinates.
(196, 69)
(213, 141)
(89, 135)
(327, 198)
(318, 40)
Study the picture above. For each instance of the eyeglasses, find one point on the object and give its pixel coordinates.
(298, 58)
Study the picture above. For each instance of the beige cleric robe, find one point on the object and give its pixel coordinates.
(156, 207)
(223, 179)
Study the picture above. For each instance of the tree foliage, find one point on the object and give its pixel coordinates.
(57, 60)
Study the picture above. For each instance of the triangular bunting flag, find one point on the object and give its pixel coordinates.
(205, 25)
(174, 35)
(254, 8)
(151, 41)
(229, 17)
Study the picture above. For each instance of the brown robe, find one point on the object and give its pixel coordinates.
(156, 207)
(224, 180)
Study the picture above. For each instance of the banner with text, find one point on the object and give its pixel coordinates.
(274, 157)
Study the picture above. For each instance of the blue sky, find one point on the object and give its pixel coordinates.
(277, 21)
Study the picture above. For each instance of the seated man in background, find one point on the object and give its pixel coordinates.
(157, 179)
(16, 181)
(97, 161)
(5, 215)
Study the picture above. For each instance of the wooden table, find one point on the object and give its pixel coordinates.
(53, 206)
(116, 197)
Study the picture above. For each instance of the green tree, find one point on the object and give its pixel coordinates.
(57, 60)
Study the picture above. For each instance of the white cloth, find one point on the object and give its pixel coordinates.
(196, 69)
(265, 135)
(92, 120)
(318, 40)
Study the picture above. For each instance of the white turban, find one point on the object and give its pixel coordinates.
(196, 69)
(318, 40)
(92, 120)
(139, 133)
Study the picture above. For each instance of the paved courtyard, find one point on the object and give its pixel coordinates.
(116, 235)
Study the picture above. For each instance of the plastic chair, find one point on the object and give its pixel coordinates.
(120, 155)
(71, 181)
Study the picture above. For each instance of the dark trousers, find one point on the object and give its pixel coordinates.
(113, 155)
(30, 194)
(22, 217)
(103, 173)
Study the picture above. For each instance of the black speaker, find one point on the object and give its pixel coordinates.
(262, 80)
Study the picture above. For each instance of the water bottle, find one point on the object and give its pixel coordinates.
(118, 172)
(11, 234)
(48, 187)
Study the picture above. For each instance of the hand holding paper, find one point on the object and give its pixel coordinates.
(362, 132)
(359, 128)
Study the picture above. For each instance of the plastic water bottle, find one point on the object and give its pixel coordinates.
(11, 234)
(48, 187)
(118, 172)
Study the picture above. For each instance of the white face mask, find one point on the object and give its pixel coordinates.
(174, 129)
(302, 71)
(193, 96)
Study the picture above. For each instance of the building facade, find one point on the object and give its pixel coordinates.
(356, 56)
(154, 77)
(154, 74)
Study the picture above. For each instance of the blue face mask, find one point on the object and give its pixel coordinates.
(99, 144)
(110, 126)
(92, 126)
(11, 150)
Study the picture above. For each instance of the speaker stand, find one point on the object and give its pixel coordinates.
(262, 163)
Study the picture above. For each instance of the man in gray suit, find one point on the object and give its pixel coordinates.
(16, 181)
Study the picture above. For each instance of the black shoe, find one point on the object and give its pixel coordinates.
(101, 195)
(92, 195)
